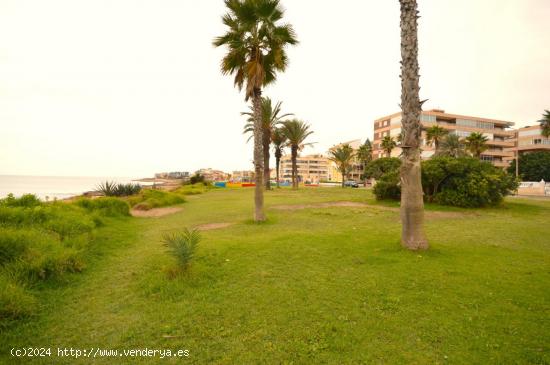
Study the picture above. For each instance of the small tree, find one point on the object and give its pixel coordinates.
(388, 144)
(545, 123)
(452, 146)
(476, 144)
(364, 154)
(279, 140)
(342, 157)
(533, 166)
(296, 132)
(434, 135)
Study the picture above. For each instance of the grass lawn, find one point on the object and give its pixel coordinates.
(321, 284)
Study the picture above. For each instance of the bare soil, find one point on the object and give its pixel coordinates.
(155, 212)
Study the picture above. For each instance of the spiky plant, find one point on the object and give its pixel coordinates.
(182, 245)
(107, 188)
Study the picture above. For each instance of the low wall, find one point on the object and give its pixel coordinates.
(533, 188)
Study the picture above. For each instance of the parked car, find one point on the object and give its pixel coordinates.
(351, 183)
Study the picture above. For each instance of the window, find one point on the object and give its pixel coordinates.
(427, 118)
(475, 124)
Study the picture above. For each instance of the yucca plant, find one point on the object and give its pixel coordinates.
(107, 188)
(127, 189)
(182, 245)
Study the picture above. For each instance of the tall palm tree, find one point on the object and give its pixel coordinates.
(364, 154)
(296, 133)
(434, 135)
(388, 144)
(476, 144)
(451, 146)
(279, 140)
(256, 45)
(545, 124)
(342, 157)
(271, 117)
(412, 199)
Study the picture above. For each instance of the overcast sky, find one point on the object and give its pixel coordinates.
(133, 87)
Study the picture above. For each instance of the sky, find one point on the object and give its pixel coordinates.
(133, 87)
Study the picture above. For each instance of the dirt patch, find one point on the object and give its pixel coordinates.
(155, 212)
(210, 226)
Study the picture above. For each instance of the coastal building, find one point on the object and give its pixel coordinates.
(356, 172)
(311, 168)
(529, 139)
(172, 175)
(213, 175)
(241, 176)
(497, 131)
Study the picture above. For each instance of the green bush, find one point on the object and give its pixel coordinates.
(149, 199)
(15, 302)
(465, 182)
(462, 182)
(182, 246)
(533, 166)
(193, 189)
(387, 186)
(27, 200)
(110, 207)
(377, 168)
(197, 178)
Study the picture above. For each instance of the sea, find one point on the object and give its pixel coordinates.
(54, 187)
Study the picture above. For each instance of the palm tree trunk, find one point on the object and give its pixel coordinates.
(294, 156)
(343, 177)
(412, 199)
(277, 163)
(259, 215)
(266, 141)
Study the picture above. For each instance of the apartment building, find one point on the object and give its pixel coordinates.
(213, 175)
(311, 168)
(497, 131)
(241, 176)
(356, 167)
(529, 139)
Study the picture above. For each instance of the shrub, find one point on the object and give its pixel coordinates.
(13, 244)
(107, 206)
(27, 200)
(15, 302)
(182, 245)
(377, 168)
(533, 166)
(109, 188)
(197, 178)
(194, 189)
(463, 182)
(387, 186)
(149, 199)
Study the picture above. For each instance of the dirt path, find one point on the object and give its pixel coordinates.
(155, 212)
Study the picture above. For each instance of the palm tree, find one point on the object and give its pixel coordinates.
(270, 119)
(451, 146)
(412, 199)
(296, 133)
(434, 135)
(476, 144)
(388, 144)
(364, 154)
(279, 140)
(545, 124)
(256, 52)
(342, 157)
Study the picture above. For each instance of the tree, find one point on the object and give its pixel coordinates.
(545, 124)
(271, 117)
(388, 144)
(256, 52)
(364, 154)
(279, 140)
(476, 144)
(451, 146)
(377, 168)
(412, 202)
(434, 135)
(533, 166)
(296, 132)
(342, 157)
